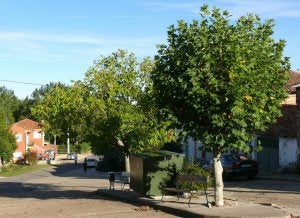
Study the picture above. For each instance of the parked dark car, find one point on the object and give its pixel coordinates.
(236, 165)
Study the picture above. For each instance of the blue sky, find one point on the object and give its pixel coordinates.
(43, 41)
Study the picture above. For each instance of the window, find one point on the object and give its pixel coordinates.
(18, 137)
(37, 135)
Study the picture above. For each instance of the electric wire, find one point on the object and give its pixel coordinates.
(25, 83)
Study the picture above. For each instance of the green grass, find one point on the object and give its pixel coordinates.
(14, 169)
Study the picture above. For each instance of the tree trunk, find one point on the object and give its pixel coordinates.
(127, 163)
(218, 186)
(126, 155)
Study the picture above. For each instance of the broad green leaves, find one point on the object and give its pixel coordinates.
(223, 80)
(8, 106)
(120, 111)
(112, 106)
(62, 110)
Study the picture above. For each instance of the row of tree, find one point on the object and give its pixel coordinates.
(217, 80)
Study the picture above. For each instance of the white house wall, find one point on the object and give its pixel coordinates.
(193, 151)
(288, 152)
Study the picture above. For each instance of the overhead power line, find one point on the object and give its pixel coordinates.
(26, 83)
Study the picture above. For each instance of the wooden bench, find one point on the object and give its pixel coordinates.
(118, 177)
(189, 180)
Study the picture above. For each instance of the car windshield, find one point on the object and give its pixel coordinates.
(230, 157)
(234, 157)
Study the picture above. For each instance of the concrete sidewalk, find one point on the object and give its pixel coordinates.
(231, 208)
(198, 206)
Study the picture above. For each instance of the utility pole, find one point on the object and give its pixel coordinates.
(68, 142)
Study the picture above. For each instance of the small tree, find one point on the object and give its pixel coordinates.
(31, 157)
(222, 80)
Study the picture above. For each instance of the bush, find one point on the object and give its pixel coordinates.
(187, 169)
(31, 157)
(169, 181)
(82, 148)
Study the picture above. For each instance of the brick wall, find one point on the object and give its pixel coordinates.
(298, 118)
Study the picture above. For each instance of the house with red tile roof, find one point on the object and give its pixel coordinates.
(30, 136)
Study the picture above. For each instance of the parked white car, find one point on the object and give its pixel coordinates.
(91, 163)
(71, 156)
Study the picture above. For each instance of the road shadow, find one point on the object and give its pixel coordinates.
(29, 186)
(44, 191)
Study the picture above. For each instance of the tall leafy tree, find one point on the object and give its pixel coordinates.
(7, 144)
(120, 111)
(25, 105)
(39, 93)
(223, 80)
(8, 106)
(61, 112)
(23, 111)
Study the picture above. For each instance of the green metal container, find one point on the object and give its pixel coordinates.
(147, 170)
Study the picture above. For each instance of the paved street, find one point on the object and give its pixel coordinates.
(66, 191)
(282, 194)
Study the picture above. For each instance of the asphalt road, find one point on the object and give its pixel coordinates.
(17, 184)
(282, 194)
(64, 191)
(68, 191)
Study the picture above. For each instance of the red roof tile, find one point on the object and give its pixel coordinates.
(294, 80)
(28, 124)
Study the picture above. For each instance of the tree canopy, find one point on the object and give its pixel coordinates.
(120, 110)
(7, 142)
(61, 111)
(8, 106)
(223, 80)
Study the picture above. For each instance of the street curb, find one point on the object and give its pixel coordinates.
(138, 200)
